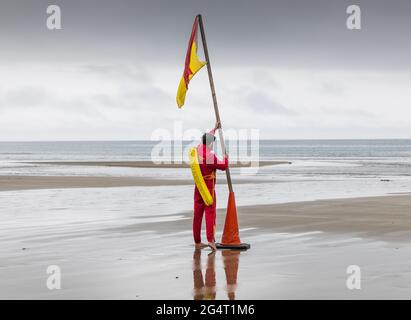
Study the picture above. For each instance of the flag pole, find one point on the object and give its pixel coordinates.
(217, 113)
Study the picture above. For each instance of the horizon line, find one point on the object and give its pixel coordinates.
(171, 140)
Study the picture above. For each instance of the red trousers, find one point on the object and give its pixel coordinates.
(210, 215)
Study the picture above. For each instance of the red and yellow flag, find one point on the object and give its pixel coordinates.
(192, 65)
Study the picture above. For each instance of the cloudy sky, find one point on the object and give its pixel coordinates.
(289, 68)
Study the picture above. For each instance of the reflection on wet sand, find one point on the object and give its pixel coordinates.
(231, 260)
(205, 289)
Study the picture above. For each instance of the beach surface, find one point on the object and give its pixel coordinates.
(298, 250)
(118, 226)
(151, 164)
(25, 181)
(9, 182)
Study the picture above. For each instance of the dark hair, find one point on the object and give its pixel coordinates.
(208, 138)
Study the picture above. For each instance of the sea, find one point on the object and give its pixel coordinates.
(268, 149)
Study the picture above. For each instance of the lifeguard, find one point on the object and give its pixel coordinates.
(204, 164)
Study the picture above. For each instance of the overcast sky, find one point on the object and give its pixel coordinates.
(288, 68)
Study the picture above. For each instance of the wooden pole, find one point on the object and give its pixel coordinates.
(217, 113)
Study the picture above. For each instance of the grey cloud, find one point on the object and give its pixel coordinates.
(23, 97)
(290, 33)
(126, 72)
(122, 43)
(259, 101)
(142, 98)
(346, 112)
(260, 77)
(332, 89)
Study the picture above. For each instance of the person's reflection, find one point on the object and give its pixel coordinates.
(207, 290)
(197, 276)
(202, 292)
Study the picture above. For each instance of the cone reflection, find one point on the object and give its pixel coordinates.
(231, 259)
(205, 288)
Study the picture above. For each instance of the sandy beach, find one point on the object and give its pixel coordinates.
(27, 182)
(123, 230)
(150, 164)
(299, 250)
(9, 183)
(380, 218)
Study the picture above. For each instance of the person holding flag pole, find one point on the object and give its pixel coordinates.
(203, 161)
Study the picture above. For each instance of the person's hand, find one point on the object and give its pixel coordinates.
(217, 125)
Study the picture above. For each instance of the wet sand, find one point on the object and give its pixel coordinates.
(26, 182)
(11, 182)
(14, 182)
(150, 164)
(382, 218)
(299, 251)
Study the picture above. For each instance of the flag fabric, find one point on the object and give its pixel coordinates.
(192, 65)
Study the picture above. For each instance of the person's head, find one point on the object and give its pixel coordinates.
(208, 140)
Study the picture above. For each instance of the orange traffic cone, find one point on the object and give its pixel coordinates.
(231, 237)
